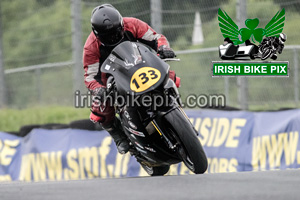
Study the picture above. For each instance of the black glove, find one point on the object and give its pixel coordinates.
(99, 94)
(165, 52)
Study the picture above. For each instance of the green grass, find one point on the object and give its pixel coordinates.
(13, 119)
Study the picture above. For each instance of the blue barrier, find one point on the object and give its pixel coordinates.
(233, 141)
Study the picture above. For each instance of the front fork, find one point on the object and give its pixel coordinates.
(171, 89)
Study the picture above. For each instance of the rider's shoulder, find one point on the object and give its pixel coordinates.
(129, 20)
(132, 21)
(91, 42)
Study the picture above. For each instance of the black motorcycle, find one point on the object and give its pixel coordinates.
(270, 46)
(148, 104)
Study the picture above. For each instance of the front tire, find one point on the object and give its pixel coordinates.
(190, 148)
(266, 54)
(156, 171)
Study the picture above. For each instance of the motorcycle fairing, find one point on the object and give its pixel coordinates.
(126, 59)
(148, 144)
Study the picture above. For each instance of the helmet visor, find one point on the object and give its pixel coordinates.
(112, 38)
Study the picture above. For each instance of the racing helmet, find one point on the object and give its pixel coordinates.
(282, 37)
(107, 25)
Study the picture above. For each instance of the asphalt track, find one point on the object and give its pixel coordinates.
(273, 185)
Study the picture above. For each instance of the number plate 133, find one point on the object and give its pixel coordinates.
(144, 78)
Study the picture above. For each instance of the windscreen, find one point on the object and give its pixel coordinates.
(127, 53)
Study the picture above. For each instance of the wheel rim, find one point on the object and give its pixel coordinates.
(148, 169)
(186, 159)
(182, 152)
(266, 54)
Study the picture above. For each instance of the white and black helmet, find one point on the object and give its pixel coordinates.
(282, 37)
(107, 24)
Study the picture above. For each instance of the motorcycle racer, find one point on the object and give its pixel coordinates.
(109, 29)
(272, 44)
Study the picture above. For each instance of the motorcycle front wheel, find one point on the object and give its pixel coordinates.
(266, 54)
(156, 171)
(189, 147)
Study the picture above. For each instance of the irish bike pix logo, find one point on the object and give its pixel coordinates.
(244, 45)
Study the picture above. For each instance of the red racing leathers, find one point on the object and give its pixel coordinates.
(94, 79)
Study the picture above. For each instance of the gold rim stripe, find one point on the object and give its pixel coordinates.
(156, 128)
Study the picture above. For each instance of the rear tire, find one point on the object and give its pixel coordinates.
(190, 148)
(156, 171)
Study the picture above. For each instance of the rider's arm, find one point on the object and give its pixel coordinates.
(91, 62)
(143, 31)
(280, 48)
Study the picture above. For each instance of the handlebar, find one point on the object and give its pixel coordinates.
(171, 59)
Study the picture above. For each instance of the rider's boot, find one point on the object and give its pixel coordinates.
(117, 133)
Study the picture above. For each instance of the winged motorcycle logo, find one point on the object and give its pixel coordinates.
(270, 37)
(241, 44)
